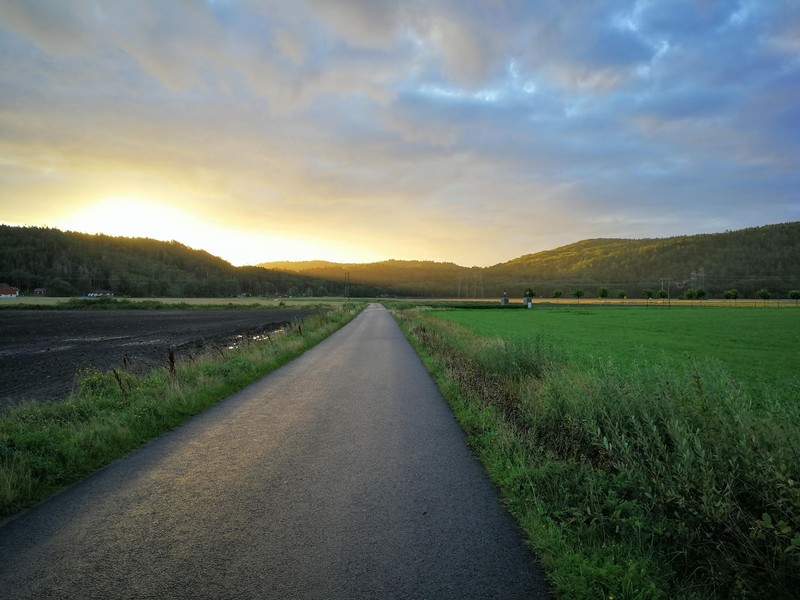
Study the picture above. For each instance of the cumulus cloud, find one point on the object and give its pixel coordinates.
(464, 131)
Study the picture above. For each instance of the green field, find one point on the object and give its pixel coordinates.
(755, 344)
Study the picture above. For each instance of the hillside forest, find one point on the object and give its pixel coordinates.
(747, 261)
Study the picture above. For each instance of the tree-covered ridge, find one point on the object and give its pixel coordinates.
(747, 260)
(69, 264)
(401, 277)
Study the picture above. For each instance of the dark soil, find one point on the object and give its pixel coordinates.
(42, 352)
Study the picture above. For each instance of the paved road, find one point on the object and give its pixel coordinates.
(341, 475)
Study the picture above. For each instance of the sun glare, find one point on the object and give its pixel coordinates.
(130, 217)
(133, 217)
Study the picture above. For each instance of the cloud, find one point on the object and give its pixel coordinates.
(418, 129)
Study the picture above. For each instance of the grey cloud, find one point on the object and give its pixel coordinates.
(58, 28)
(633, 117)
(685, 18)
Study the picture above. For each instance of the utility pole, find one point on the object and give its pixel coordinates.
(347, 285)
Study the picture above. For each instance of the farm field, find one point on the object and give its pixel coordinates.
(45, 350)
(245, 302)
(756, 344)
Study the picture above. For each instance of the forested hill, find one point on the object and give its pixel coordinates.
(69, 264)
(396, 277)
(746, 260)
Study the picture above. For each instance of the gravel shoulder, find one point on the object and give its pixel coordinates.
(43, 351)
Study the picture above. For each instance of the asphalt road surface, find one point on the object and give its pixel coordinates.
(341, 475)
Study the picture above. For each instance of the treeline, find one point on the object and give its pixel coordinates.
(709, 265)
(747, 261)
(75, 264)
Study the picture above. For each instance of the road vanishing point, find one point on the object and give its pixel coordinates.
(341, 475)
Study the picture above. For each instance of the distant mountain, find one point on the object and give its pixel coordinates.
(746, 260)
(302, 265)
(74, 264)
(390, 277)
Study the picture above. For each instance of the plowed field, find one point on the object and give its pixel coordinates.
(43, 351)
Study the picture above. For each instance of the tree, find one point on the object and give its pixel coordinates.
(578, 293)
(764, 294)
(795, 295)
(700, 293)
(690, 294)
(731, 295)
(602, 292)
(557, 293)
(649, 293)
(662, 293)
(58, 287)
(622, 294)
(529, 293)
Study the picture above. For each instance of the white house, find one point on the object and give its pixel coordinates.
(6, 291)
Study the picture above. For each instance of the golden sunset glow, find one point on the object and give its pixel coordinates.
(132, 217)
(355, 131)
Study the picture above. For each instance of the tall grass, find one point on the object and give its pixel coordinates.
(45, 446)
(656, 480)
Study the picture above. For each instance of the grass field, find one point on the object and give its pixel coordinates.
(647, 452)
(757, 345)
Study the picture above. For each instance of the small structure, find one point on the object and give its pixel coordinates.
(99, 293)
(504, 299)
(7, 291)
(528, 294)
(40, 292)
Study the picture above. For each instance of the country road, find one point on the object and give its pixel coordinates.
(342, 475)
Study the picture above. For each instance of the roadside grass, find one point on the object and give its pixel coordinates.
(47, 446)
(645, 477)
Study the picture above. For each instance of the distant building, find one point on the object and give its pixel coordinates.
(6, 291)
(99, 293)
(40, 292)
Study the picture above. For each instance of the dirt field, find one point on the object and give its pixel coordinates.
(42, 351)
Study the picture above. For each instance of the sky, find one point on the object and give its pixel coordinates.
(363, 130)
